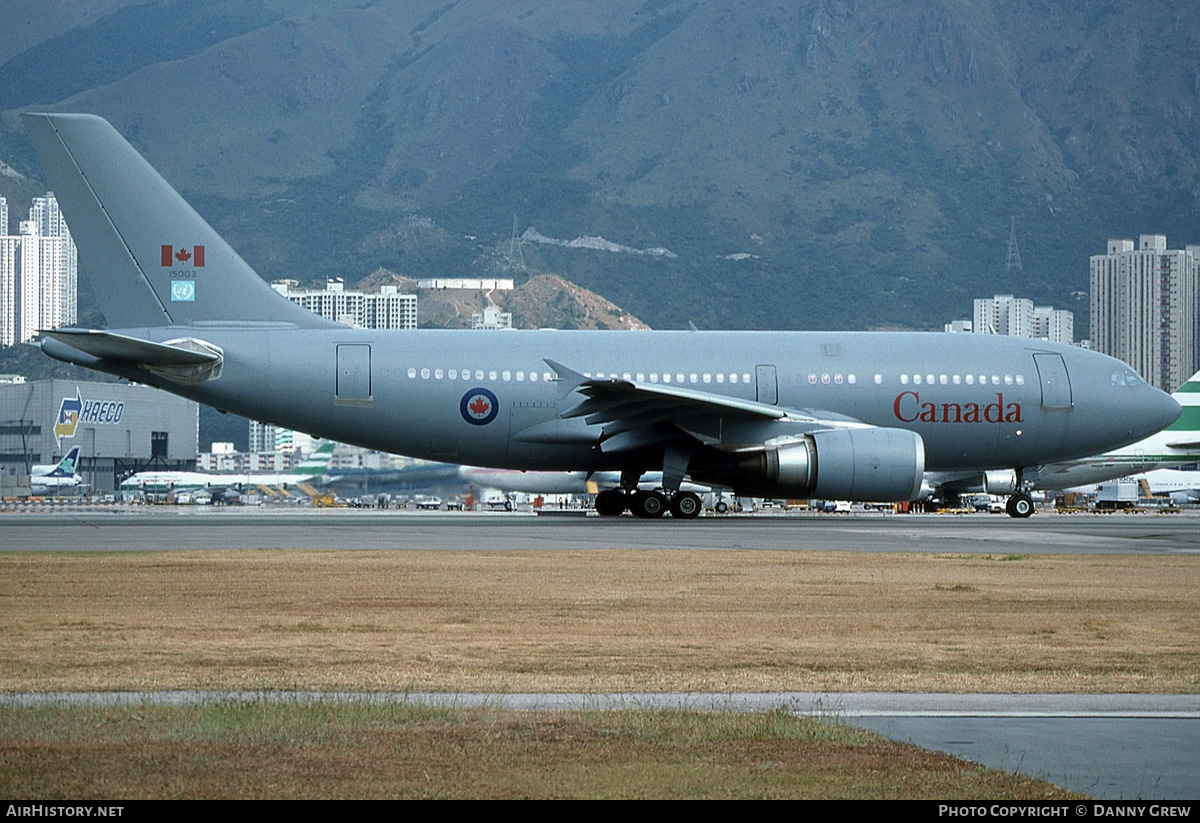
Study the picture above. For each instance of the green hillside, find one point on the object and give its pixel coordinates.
(807, 165)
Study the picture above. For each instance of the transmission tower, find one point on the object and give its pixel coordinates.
(1013, 264)
(516, 255)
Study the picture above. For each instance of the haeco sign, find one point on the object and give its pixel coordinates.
(75, 410)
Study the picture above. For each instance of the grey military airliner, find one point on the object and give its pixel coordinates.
(834, 415)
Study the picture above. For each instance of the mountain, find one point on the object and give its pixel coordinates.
(823, 163)
(540, 301)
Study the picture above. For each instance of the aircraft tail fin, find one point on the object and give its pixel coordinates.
(1191, 386)
(1185, 432)
(316, 463)
(151, 259)
(67, 466)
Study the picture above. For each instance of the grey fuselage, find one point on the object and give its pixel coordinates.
(976, 400)
(835, 414)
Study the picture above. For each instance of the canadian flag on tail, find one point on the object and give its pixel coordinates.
(172, 256)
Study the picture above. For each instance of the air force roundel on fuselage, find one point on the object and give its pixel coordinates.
(479, 407)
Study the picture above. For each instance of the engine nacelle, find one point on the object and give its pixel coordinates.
(1000, 482)
(876, 464)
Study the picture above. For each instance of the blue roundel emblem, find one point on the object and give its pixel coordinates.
(479, 407)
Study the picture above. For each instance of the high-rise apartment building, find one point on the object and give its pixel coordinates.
(262, 437)
(1003, 314)
(8, 280)
(39, 272)
(1056, 325)
(1144, 305)
(385, 309)
(1018, 317)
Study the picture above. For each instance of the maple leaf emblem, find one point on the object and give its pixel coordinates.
(182, 255)
(479, 407)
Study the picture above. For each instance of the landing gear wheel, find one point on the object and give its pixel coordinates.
(648, 504)
(686, 505)
(720, 507)
(611, 503)
(1019, 505)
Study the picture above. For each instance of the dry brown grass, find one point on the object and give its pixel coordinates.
(599, 621)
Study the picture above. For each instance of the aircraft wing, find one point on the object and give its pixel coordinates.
(635, 413)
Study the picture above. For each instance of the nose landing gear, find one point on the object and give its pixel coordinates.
(1019, 505)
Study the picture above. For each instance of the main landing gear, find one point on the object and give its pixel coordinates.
(651, 504)
(1019, 505)
(648, 504)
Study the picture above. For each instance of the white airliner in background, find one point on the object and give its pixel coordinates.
(1183, 487)
(53, 478)
(316, 465)
(543, 482)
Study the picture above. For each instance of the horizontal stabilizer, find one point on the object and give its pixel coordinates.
(123, 349)
(186, 361)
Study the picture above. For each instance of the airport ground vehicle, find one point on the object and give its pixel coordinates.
(987, 503)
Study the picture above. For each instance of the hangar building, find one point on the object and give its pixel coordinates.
(120, 428)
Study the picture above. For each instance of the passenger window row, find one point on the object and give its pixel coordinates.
(958, 379)
(825, 378)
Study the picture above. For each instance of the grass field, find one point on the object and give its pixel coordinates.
(600, 621)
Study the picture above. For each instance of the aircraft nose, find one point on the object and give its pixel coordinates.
(1162, 409)
(1145, 411)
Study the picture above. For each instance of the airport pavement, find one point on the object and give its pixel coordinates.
(178, 528)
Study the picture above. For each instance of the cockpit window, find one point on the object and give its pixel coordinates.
(1125, 378)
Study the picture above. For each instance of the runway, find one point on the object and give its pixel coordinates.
(203, 528)
(1109, 746)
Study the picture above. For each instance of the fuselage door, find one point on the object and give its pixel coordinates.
(768, 388)
(353, 380)
(1056, 384)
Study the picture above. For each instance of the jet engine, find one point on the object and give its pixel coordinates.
(876, 464)
(1000, 482)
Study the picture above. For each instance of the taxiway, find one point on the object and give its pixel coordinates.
(199, 528)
